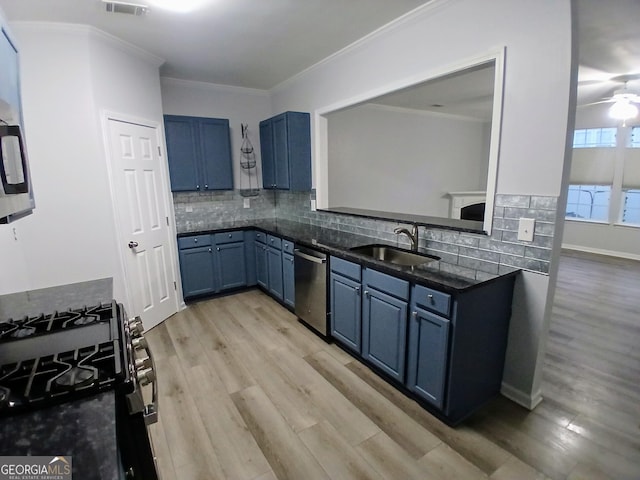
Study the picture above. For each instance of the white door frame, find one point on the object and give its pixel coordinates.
(106, 116)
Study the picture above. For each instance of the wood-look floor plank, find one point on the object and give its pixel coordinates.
(236, 449)
(390, 460)
(446, 464)
(337, 457)
(471, 445)
(415, 439)
(288, 457)
(516, 469)
(191, 451)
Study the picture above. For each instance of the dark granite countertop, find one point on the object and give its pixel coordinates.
(84, 429)
(339, 243)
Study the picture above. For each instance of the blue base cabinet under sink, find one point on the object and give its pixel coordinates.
(384, 322)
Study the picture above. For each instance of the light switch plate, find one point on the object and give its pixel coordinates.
(188, 208)
(525, 229)
(247, 203)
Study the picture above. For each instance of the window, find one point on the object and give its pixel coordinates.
(588, 202)
(631, 206)
(634, 138)
(595, 137)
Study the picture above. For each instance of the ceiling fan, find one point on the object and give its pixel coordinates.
(625, 101)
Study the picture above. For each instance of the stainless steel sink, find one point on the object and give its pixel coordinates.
(395, 255)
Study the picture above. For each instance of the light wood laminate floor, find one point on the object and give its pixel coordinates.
(247, 392)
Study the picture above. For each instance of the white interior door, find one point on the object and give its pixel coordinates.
(141, 209)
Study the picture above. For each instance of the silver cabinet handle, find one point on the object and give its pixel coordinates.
(230, 235)
(358, 291)
(366, 293)
(195, 240)
(414, 314)
(210, 250)
(218, 249)
(206, 187)
(197, 187)
(133, 244)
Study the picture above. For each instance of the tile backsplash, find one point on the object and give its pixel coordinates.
(470, 255)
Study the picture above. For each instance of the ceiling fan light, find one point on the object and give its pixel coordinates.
(623, 110)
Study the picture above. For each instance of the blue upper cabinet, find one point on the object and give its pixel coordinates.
(285, 145)
(199, 153)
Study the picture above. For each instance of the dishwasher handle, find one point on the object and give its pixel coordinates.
(311, 258)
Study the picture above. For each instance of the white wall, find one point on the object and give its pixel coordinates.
(239, 105)
(399, 160)
(607, 239)
(538, 77)
(70, 74)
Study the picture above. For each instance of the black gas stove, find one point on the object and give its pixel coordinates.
(57, 358)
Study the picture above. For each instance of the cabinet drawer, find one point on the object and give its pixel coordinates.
(287, 246)
(194, 241)
(431, 299)
(228, 237)
(348, 269)
(274, 242)
(386, 283)
(261, 237)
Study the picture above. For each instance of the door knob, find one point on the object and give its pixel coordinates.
(133, 244)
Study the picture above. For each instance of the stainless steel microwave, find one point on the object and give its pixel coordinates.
(16, 198)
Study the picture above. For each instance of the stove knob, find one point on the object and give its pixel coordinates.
(139, 343)
(142, 363)
(146, 376)
(135, 327)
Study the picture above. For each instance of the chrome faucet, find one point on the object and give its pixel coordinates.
(413, 235)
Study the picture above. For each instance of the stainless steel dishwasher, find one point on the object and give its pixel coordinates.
(311, 288)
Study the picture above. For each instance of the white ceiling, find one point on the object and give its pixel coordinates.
(247, 43)
(261, 43)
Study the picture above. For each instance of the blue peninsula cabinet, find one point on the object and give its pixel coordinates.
(199, 153)
(285, 147)
(444, 349)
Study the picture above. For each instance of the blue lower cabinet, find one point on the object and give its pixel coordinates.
(288, 280)
(274, 272)
(232, 272)
(428, 353)
(384, 332)
(197, 271)
(262, 275)
(346, 321)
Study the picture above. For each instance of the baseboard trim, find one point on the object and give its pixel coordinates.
(521, 398)
(599, 251)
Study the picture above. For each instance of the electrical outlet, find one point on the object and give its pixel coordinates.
(246, 203)
(525, 229)
(188, 208)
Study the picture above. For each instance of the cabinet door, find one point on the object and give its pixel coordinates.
(288, 280)
(346, 321)
(281, 151)
(428, 345)
(262, 275)
(215, 149)
(182, 153)
(196, 266)
(266, 150)
(231, 265)
(384, 332)
(274, 269)
(9, 81)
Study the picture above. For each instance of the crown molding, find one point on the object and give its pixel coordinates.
(180, 82)
(90, 31)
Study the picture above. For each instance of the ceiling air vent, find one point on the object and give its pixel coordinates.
(125, 7)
